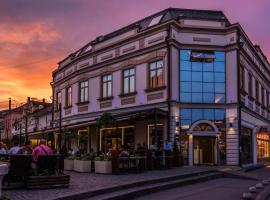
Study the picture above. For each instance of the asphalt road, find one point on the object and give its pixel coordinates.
(221, 189)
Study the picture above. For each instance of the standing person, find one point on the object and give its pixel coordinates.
(168, 146)
(3, 149)
(41, 150)
(15, 149)
(27, 149)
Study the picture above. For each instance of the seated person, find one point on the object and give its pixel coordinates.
(27, 149)
(41, 150)
(15, 149)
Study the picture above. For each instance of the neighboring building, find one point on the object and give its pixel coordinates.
(31, 119)
(2, 113)
(181, 75)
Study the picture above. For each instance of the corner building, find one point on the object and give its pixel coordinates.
(188, 76)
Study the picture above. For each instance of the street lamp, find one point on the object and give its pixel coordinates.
(58, 108)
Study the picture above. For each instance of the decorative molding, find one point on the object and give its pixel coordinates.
(151, 97)
(199, 39)
(106, 57)
(105, 104)
(68, 111)
(82, 108)
(156, 39)
(141, 43)
(129, 100)
(129, 49)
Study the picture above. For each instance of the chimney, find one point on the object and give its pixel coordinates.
(9, 104)
(28, 99)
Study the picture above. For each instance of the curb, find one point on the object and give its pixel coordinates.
(94, 193)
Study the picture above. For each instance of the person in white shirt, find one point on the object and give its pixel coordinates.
(15, 149)
(3, 150)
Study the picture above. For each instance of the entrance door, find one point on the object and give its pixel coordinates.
(204, 150)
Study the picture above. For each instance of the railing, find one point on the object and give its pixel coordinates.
(132, 164)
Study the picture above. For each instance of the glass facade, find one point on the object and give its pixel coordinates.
(202, 77)
(190, 115)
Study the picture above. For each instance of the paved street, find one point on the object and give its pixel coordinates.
(221, 189)
(85, 182)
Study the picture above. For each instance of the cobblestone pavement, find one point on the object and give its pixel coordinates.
(84, 182)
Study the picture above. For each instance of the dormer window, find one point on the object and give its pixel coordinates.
(89, 48)
(155, 20)
(202, 56)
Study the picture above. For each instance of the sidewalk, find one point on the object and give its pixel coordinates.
(86, 182)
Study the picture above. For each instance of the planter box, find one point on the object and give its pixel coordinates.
(68, 164)
(103, 167)
(45, 182)
(82, 165)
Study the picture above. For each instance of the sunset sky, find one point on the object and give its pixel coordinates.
(36, 34)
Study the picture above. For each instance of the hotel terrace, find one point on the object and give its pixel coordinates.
(187, 76)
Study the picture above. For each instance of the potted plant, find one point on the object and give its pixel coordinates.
(69, 163)
(103, 165)
(82, 164)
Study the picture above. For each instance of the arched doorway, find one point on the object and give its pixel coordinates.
(203, 143)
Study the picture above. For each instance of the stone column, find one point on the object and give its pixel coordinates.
(232, 137)
(190, 150)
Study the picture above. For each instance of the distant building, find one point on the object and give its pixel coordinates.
(31, 118)
(182, 75)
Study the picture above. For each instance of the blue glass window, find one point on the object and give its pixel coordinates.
(219, 56)
(185, 113)
(196, 87)
(208, 97)
(185, 76)
(208, 87)
(185, 97)
(208, 77)
(185, 65)
(196, 76)
(185, 54)
(185, 87)
(197, 114)
(190, 115)
(197, 66)
(196, 97)
(202, 77)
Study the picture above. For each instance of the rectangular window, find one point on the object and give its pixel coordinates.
(242, 78)
(83, 95)
(106, 85)
(250, 85)
(156, 75)
(58, 100)
(68, 97)
(129, 81)
(262, 95)
(257, 91)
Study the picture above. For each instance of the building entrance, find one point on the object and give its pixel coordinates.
(204, 150)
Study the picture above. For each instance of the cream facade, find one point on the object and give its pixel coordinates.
(140, 74)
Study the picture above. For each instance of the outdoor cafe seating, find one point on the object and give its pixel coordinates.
(23, 171)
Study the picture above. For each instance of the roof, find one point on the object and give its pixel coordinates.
(166, 15)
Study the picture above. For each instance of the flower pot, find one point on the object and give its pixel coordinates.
(82, 165)
(68, 164)
(103, 167)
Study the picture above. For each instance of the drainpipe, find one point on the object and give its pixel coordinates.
(168, 82)
(239, 97)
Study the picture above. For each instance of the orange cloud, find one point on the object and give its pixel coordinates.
(28, 54)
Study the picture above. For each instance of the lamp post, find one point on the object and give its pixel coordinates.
(60, 127)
